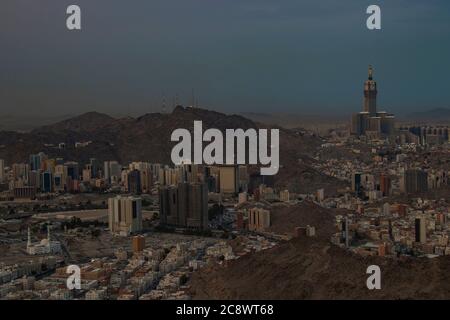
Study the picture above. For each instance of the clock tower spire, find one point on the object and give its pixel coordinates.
(370, 94)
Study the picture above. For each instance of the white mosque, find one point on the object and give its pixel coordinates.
(45, 246)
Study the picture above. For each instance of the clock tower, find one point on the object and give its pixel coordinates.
(370, 94)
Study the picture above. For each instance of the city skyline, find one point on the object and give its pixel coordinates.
(290, 57)
(136, 161)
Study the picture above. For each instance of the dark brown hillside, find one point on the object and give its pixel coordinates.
(312, 269)
(147, 138)
(284, 219)
(87, 122)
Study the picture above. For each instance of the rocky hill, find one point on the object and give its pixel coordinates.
(147, 138)
(435, 116)
(284, 218)
(313, 268)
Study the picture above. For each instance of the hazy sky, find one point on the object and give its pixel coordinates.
(302, 56)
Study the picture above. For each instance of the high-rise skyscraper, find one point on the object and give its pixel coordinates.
(73, 170)
(198, 206)
(115, 169)
(134, 182)
(356, 183)
(125, 215)
(146, 180)
(420, 229)
(414, 180)
(95, 166)
(229, 179)
(184, 205)
(60, 178)
(370, 94)
(370, 121)
(385, 185)
(47, 182)
(37, 161)
(112, 171)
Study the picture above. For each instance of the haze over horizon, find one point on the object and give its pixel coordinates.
(263, 56)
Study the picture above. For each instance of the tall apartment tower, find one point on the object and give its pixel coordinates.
(198, 206)
(385, 185)
(229, 179)
(420, 229)
(370, 94)
(184, 205)
(356, 182)
(47, 182)
(414, 180)
(134, 182)
(73, 170)
(172, 200)
(124, 215)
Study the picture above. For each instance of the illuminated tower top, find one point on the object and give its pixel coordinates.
(370, 72)
(370, 94)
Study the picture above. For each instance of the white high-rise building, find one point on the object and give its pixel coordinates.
(125, 215)
(112, 171)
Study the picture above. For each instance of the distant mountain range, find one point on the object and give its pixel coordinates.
(288, 120)
(437, 115)
(9, 122)
(147, 138)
